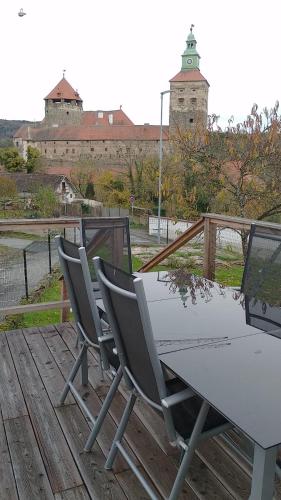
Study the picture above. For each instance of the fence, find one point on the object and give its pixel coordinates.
(170, 230)
(24, 263)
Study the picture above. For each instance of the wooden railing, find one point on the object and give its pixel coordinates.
(207, 224)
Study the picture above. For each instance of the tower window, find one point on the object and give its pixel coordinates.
(73, 150)
(193, 100)
(45, 151)
(190, 120)
(67, 112)
(55, 150)
(105, 149)
(181, 90)
(180, 100)
(92, 149)
(66, 150)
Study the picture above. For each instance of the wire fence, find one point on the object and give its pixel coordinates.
(24, 264)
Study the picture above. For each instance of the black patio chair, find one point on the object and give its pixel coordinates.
(108, 238)
(263, 264)
(91, 328)
(187, 417)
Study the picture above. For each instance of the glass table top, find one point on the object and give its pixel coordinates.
(188, 310)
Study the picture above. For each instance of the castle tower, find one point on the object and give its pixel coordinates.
(189, 91)
(63, 106)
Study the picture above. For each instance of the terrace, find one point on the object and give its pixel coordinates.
(42, 442)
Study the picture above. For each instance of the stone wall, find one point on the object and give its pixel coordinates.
(62, 113)
(188, 105)
(102, 153)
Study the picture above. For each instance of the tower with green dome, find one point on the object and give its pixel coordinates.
(189, 91)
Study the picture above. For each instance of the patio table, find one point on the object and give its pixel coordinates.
(205, 335)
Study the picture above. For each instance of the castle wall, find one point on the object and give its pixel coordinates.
(102, 153)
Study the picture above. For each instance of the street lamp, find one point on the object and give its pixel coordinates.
(160, 161)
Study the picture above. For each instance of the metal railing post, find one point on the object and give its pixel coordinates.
(25, 273)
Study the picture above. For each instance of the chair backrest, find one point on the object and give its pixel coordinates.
(263, 265)
(74, 265)
(108, 238)
(127, 312)
(261, 284)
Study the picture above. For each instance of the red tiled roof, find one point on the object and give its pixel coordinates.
(102, 118)
(63, 90)
(118, 132)
(192, 75)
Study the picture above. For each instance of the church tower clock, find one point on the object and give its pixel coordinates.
(189, 91)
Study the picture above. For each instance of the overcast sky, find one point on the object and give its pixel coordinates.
(125, 52)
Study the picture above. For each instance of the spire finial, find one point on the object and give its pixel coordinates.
(191, 27)
(63, 72)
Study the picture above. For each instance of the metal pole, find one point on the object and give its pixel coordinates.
(49, 251)
(167, 234)
(160, 163)
(25, 273)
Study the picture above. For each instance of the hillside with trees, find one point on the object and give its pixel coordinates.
(7, 130)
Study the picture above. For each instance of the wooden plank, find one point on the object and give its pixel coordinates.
(210, 231)
(131, 485)
(222, 466)
(240, 222)
(8, 490)
(64, 296)
(31, 478)
(65, 361)
(101, 484)
(40, 306)
(11, 397)
(36, 224)
(79, 493)
(190, 233)
(56, 455)
(52, 378)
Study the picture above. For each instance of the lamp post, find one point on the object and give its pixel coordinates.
(160, 162)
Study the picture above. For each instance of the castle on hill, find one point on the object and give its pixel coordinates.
(68, 134)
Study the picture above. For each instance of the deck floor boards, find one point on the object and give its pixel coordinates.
(41, 443)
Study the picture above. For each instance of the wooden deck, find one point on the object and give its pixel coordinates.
(42, 443)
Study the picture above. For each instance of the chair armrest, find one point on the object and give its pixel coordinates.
(174, 399)
(105, 338)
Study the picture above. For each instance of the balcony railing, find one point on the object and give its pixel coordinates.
(208, 225)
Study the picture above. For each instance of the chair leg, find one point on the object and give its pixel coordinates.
(73, 373)
(120, 431)
(84, 367)
(189, 451)
(104, 410)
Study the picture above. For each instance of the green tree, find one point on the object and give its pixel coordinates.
(11, 159)
(33, 160)
(46, 202)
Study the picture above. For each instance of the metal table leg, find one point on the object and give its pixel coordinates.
(263, 473)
